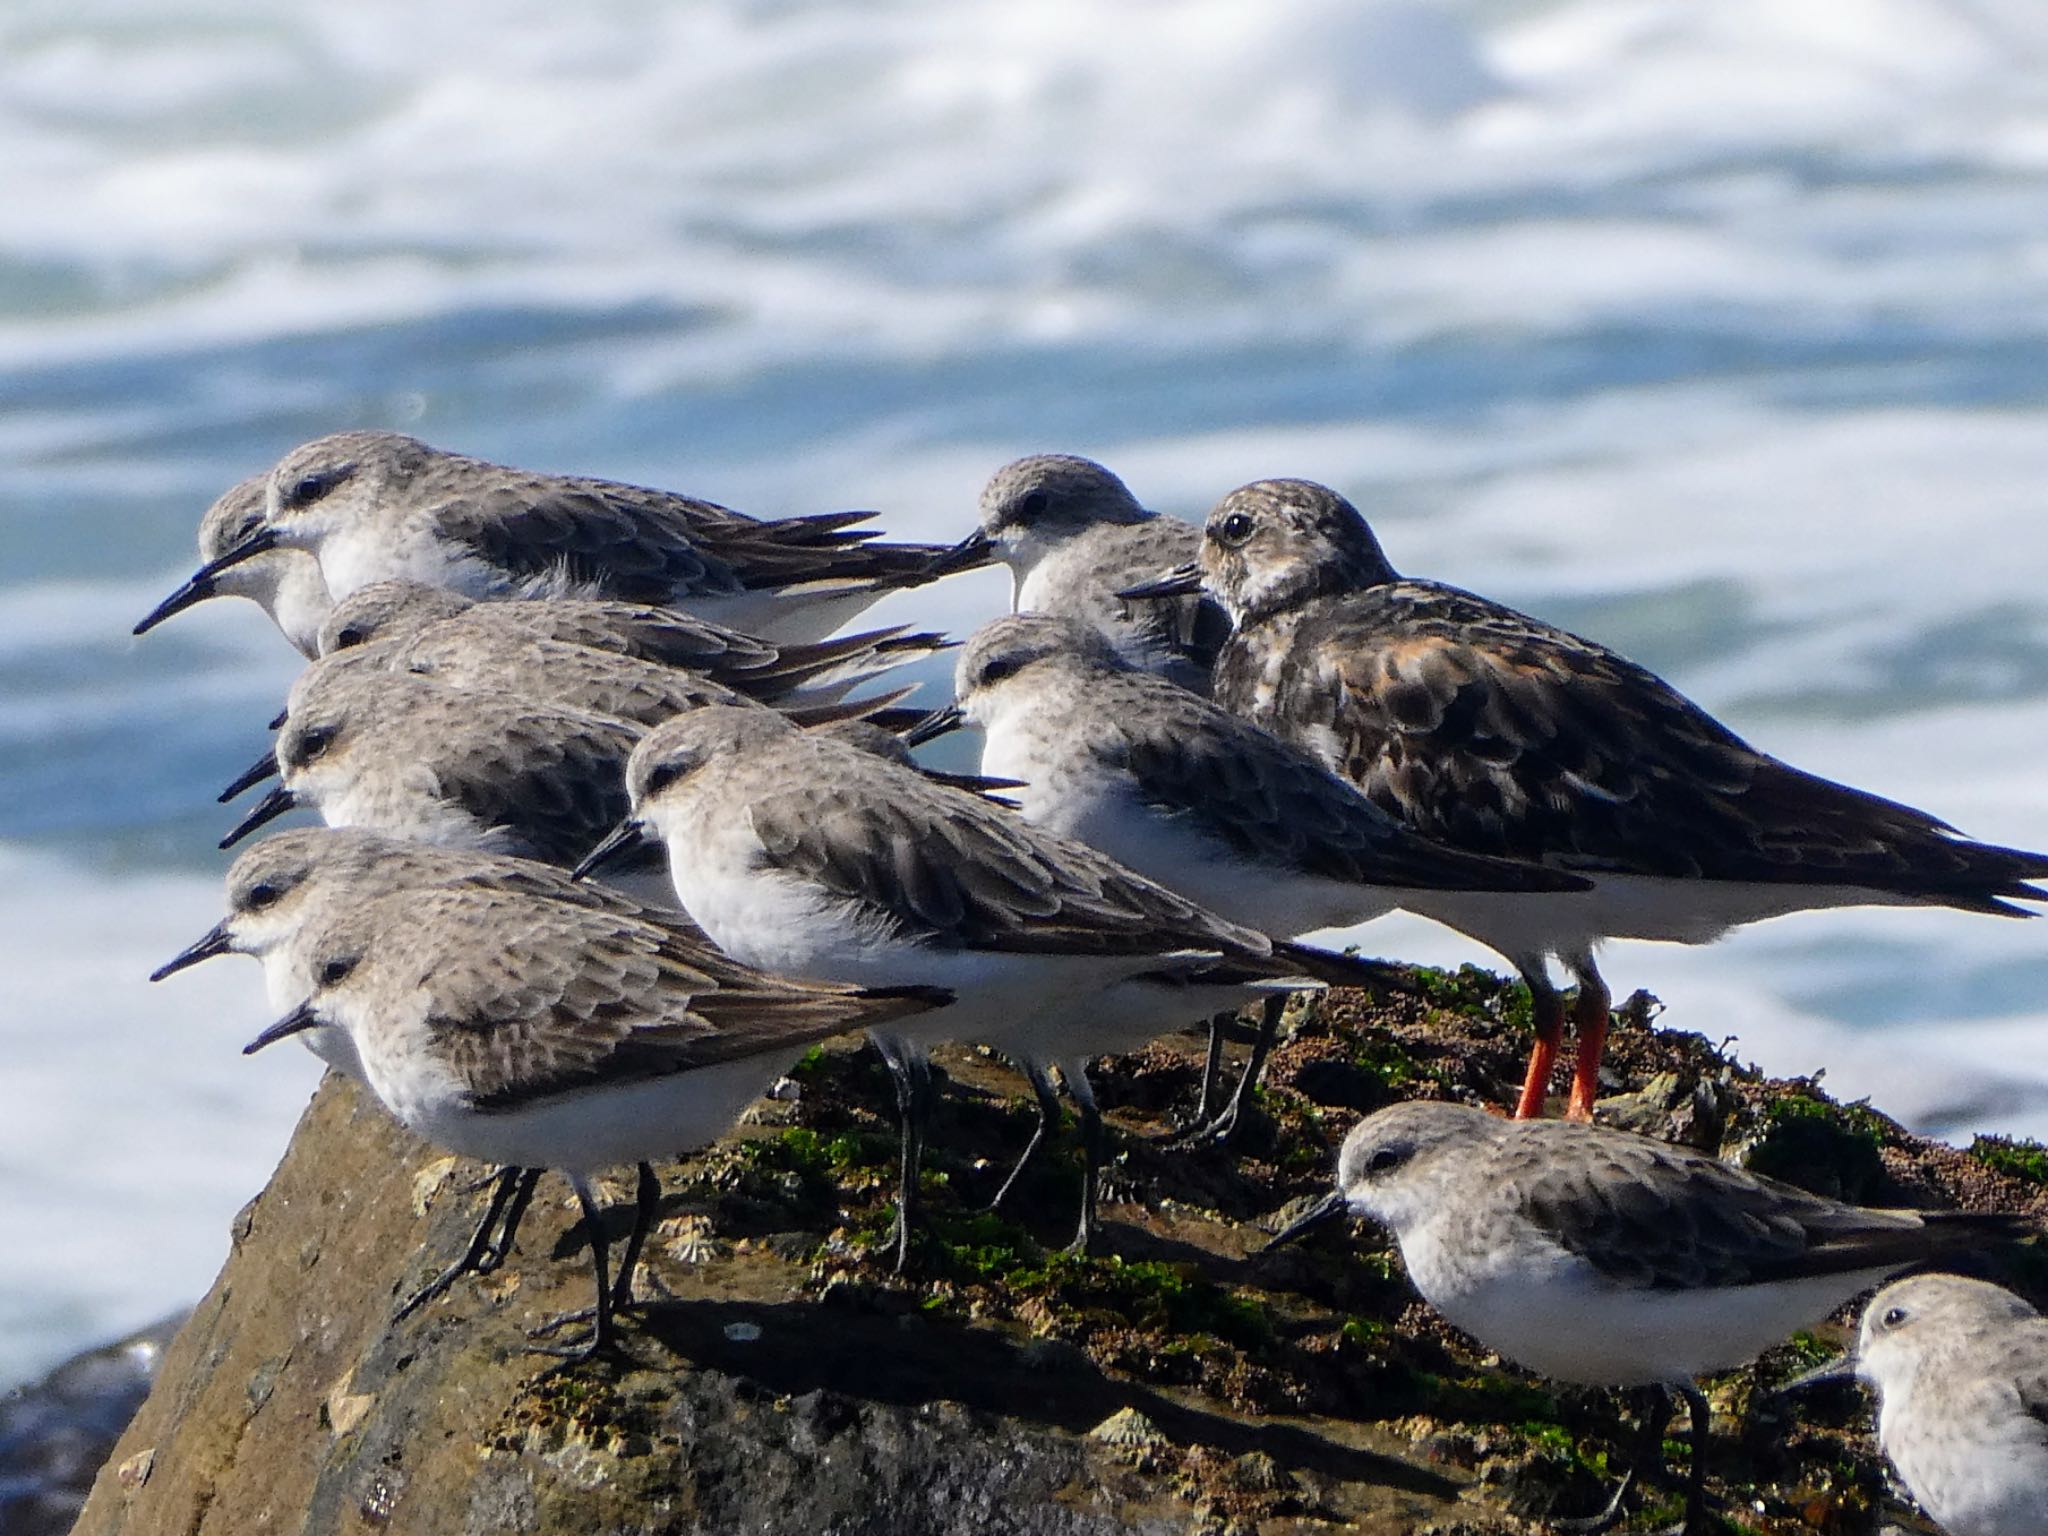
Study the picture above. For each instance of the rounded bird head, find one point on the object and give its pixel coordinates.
(1389, 1163)
(1926, 1317)
(340, 703)
(271, 885)
(1032, 504)
(387, 610)
(1275, 543)
(667, 756)
(285, 583)
(337, 480)
(1020, 645)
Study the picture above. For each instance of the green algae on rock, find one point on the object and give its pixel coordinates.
(783, 1381)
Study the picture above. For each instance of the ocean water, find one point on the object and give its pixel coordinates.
(1716, 332)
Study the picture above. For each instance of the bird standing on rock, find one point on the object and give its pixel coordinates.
(1497, 733)
(1609, 1259)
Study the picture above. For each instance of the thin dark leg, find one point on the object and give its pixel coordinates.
(1048, 1117)
(1589, 1020)
(1548, 1011)
(511, 1189)
(501, 1250)
(646, 1206)
(1212, 1068)
(601, 1336)
(1076, 1075)
(1696, 1482)
(1224, 1128)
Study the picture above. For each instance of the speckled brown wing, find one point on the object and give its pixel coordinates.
(1500, 734)
(648, 546)
(959, 872)
(531, 1000)
(555, 778)
(1662, 1218)
(1274, 802)
(641, 630)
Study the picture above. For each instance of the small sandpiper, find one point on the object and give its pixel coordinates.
(371, 506)
(1072, 535)
(1497, 733)
(1201, 800)
(531, 1033)
(285, 583)
(1961, 1373)
(804, 855)
(1609, 1259)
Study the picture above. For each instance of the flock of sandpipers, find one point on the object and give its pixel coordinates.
(614, 836)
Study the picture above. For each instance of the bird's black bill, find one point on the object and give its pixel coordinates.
(197, 590)
(1841, 1369)
(627, 837)
(277, 720)
(1181, 581)
(1326, 1210)
(299, 1019)
(262, 540)
(970, 554)
(214, 943)
(942, 721)
(266, 810)
(265, 767)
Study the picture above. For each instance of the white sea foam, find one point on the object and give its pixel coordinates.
(130, 1131)
(914, 178)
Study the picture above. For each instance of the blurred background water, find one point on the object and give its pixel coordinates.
(1716, 332)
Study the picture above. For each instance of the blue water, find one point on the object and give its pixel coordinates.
(1716, 332)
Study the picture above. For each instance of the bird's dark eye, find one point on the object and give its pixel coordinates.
(1385, 1158)
(1234, 529)
(1893, 1317)
(261, 895)
(310, 487)
(334, 972)
(314, 742)
(351, 635)
(662, 775)
(1000, 667)
(1030, 508)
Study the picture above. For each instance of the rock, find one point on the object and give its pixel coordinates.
(784, 1381)
(56, 1432)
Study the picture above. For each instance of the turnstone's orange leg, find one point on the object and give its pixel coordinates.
(1547, 1013)
(1589, 1022)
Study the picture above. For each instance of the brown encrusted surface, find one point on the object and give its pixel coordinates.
(1174, 1383)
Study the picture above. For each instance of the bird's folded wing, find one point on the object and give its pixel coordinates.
(1275, 803)
(951, 869)
(1502, 734)
(556, 778)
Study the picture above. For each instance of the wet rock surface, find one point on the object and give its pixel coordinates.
(783, 1380)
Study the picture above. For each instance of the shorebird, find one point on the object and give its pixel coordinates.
(1609, 1259)
(373, 506)
(774, 674)
(805, 855)
(284, 583)
(1204, 801)
(1497, 733)
(407, 756)
(280, 890)
(1961, 1373)
(1072, 534)
(530, 1033)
